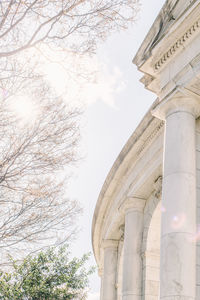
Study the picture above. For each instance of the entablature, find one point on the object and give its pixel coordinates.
(174, 58)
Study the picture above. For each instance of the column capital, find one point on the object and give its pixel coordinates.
(182, 99)
(109, 244)
(132, 204)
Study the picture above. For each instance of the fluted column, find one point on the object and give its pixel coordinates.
(178, 249)
(132, 263)
(109, 290)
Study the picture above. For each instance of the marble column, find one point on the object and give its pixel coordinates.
(178, 249)
(100, 273)
(109, 290)
(132, 262)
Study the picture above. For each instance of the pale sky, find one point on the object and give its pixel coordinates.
(116, 104)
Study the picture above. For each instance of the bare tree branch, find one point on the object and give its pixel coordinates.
(33, 156)
(33, 205)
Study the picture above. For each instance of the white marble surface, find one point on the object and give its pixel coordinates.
(178, 248)
(132, 267)
(109, 290)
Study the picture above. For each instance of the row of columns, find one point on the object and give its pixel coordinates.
(178, 222)
(132, 261)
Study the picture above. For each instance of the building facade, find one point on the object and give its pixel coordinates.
(145, 233)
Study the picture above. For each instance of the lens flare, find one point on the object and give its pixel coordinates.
(163, 209)
(178, 221)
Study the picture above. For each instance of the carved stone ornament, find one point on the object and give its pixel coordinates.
(158, 187)
(121, 230)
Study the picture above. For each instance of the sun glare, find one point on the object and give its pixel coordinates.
(56, 75)
(24, 109)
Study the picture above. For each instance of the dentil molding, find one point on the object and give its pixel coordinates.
(177, 45)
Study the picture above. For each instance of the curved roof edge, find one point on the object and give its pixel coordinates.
(147, 119)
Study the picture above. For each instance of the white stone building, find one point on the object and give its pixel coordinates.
(145, 226)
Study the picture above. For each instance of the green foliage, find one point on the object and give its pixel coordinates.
(49, 275)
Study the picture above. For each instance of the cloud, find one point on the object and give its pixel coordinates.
(93, 296)
(108, 83)
(83, 79)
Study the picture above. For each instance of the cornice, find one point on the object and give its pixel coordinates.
(140, 140)
(177, 46)
(168, 20)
